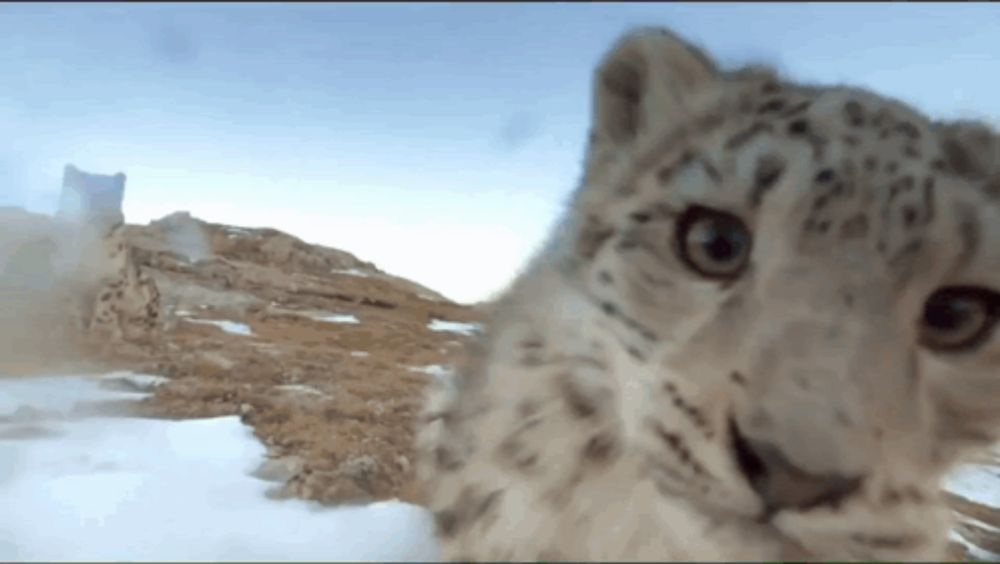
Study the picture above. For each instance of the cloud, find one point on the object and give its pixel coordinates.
(517, 131)
(174, 45)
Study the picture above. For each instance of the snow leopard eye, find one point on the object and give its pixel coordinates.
(712, 243)
(957, 318)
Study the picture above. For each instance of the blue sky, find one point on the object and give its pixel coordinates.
(438, 141)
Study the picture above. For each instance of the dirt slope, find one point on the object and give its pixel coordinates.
(332, 399)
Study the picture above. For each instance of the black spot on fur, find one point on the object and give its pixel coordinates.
(769, 87)
(446, 523)
(635, 353)
(639, 216)
(959, 160)
(579, 403)
(675, 444)
(609, 308)
(532, 343)
(512, 451)
(854, 228)
(798, 127)
(447, 460)
(848, 298)
(772, 105)
(824, 176)
(602, 447)
(690, 411)
(592, 238)
(665, 174)
(908, 129)
(710, 170)
(796, 109)
(992, 187)
(854, 113)
(741, 137)
(769, 170)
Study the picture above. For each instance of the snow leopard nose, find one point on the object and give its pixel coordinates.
(782, 485)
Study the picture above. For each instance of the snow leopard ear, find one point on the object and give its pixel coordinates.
(646, 80)
(970, 148)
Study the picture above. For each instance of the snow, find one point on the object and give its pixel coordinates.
(52, 396)
(230, 327)
(976, 482)
(136, 382)
(337, 318)
(299, 389)
(454, 327)
(443, 374)
(350, 272)
(136, 489)
(359, 353)
(973, 550)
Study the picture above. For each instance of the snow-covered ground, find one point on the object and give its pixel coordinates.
(338, 318)
(979, 483)
(98, 487)
(231, 327)
(454, 327)
(976, 482)
(79, 485)
(350, 272)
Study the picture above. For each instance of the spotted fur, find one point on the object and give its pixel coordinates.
(120, 301)
(605, 414)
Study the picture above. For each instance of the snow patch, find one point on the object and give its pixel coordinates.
(977, 483)
(130, 381)
(53, 396)
(359, 353)
(973, 550)
(350, 272)
(137, 489)
(338, 318)
(230, 327)
(454, 327)
(299, 389)
(443, 374)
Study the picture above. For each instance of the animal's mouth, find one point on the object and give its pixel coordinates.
(751, 466)
(779, 483)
